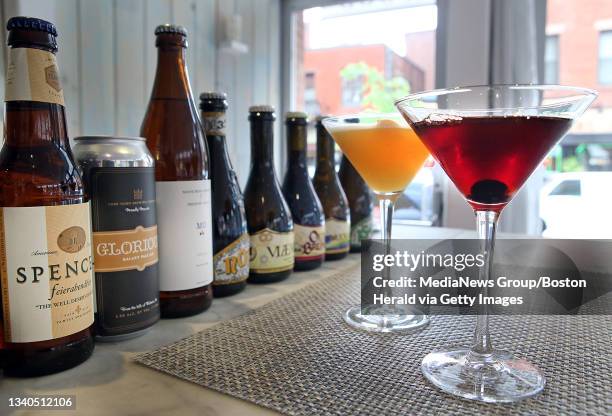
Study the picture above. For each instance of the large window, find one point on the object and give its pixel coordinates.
(605, 57)
(363, 55)
(551, 60)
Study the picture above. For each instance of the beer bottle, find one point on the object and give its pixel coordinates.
(306, 209)
(176, 140)
(230, 236)
(269, 220)
(45, 236)
(331, 194)
(360, 203)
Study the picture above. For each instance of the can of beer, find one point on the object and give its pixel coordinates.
(119, 177)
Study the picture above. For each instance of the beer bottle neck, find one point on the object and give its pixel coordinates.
(325, 150)
(171, 78)
(31, 123)
(296, 149)
(32, 117)
(219, 155)
(262, 143)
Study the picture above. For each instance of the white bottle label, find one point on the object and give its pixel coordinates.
(309, 242)
(46, 271)
(32, 75)
(271, 251)
(184, 227)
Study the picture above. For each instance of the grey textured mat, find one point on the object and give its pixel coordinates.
(295, 355)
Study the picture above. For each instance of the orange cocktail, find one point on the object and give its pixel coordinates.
(386, 153)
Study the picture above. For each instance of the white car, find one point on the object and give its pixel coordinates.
(577, 205)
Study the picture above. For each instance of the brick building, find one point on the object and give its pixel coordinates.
(579, 52)
(421, 49)
(326, 92)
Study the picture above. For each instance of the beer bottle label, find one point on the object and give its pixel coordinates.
(337, 236)
(46, 271)
(184, 223)
(232, 262)
(309, 242)
(125, 248)
(361, 231)
(32, 75)
(271, 251)
(214, 123)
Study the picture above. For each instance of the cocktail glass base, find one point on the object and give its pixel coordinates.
(379, 322)
(497, 377)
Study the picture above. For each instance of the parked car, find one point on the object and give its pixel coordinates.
(577, 205)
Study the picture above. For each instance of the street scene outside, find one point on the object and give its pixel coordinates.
(344, 69)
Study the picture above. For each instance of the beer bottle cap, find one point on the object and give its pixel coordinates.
(31, 23)
(261, 109)
(213, 95)
(25, 32)
(296, 114)
(173, 29)
(212, 101)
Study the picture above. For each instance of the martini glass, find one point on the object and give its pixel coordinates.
(489, 140)
(387, 154)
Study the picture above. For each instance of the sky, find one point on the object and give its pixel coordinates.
(387, 27)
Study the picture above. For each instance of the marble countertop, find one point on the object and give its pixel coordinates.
(110, 383)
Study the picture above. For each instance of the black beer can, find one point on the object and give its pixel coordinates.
(119, 176)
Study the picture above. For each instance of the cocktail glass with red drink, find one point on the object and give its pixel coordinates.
(489, 140)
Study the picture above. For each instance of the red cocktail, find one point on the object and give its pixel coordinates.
(488, 140)
(489, 158)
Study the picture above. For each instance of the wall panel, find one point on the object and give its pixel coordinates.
(97, 29)
(108, 60)
(69, 55)
(129, 65)
(156, 12)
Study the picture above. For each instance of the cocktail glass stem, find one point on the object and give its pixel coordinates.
(481, 372)
(386, 202)
(385, 318)
(486, 225)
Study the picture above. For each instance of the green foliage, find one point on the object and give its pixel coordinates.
(571, 164)
(378, 93)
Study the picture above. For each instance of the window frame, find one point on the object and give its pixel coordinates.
(600, 70)
(289, 54)
(556, 37)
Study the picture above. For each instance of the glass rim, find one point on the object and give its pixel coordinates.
(337, 119)
(585, 92)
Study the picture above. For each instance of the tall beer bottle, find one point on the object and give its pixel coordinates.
(306, 209)
(360, 202)
(332, 196)
(176, 140)
(45, 236)
(230, 236)
(269, 219)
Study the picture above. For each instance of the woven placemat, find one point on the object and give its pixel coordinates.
(296, 355)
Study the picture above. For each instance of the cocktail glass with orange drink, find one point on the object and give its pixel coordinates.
(387, 154)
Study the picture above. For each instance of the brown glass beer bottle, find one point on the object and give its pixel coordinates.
(177, 142)
(230, 234)
(360, 202)
(306, 209)
(332, 196)
(269, 218)
(45, 236)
